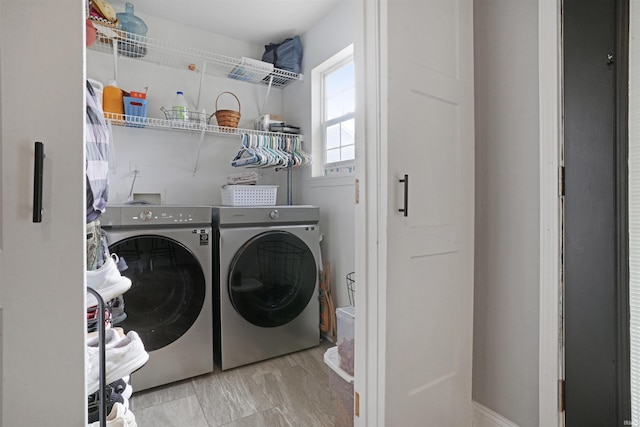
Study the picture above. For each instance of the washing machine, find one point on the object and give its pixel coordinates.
(168, 252)
(266, 263)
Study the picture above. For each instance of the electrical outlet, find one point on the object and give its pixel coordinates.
(134, 168)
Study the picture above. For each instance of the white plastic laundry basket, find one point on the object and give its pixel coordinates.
(249, 195)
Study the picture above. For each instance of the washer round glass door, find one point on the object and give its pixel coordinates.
(272, 278)
(167, 288)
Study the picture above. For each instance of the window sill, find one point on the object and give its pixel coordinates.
(332, 181)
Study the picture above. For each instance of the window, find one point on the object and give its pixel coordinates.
(334, 117)
(338, 110)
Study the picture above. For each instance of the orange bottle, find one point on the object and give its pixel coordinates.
(112, 100)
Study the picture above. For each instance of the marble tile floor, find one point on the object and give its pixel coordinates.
(287, 391)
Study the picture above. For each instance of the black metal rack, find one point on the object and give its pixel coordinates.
(102, 408)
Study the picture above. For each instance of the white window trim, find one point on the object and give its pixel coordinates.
(317, 105)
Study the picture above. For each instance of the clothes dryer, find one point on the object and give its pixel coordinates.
(169, 256)
(266, 263)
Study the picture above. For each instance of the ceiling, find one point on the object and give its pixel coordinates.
(254, 21)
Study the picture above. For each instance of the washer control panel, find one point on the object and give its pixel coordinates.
(163, 216)
(241, 216)
(155, 215)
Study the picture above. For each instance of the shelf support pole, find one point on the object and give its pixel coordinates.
(195, 164)
(115, 59)
(113, 159)
(266, 97)
(289, 187)
(202, 73)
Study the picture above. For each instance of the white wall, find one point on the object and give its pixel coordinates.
(334, 196)
(505, 368)
(167, 157)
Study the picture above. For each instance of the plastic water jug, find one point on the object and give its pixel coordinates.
(130, 22)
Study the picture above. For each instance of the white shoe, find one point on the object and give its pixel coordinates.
(122, 358)
(111, 337)
(117, 417)
(128, 391)
(107, 281)
(130, 418)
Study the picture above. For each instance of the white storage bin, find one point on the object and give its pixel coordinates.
(341, 385)
(249, 195)
(346, 319)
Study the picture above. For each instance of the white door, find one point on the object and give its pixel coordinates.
(420, 262)
(42, 312)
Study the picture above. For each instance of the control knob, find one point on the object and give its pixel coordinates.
(146, 215)
(274, 214)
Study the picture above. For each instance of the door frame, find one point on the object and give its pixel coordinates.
(369, 388)
(623, 36)
(371, 208)
(550, 290)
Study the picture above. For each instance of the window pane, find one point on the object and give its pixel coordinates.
(333, 156)
(349, 100)
(340, 79)
(332, 137)
(339, 92)
(338, 97)
(348, 132)
(349, 72)
(343, 77)
(332, 85)
(333, 107)
(348, 152)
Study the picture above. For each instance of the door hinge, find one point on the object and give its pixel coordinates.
(561, 181)
(357, 191)
(561, 394)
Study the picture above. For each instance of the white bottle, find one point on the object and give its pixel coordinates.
(180, 108)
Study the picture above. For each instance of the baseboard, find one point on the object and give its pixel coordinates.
(485, 417)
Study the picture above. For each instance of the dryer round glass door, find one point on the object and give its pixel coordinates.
(167, 288)
(272, 278)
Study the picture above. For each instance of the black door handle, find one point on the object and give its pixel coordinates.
(37, 181)
(406, 195)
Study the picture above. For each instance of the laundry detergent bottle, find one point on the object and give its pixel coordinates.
(112, 100)
(180, 108)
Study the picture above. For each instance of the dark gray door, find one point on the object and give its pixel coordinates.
(595, 256)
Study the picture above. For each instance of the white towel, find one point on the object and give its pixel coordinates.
(245, 178)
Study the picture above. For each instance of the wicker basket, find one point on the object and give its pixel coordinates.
(227, 118)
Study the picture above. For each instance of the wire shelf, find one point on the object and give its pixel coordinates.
(186, 58)
(181, 125)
